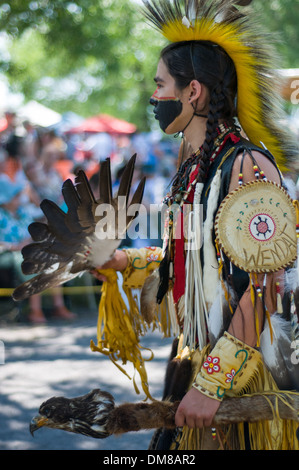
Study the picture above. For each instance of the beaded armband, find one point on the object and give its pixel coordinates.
(229, 368)
(141, 263)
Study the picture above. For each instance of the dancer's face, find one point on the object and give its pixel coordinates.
(171, 106)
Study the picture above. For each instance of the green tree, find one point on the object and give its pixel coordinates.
(281, 17)
(87, 57)
(94, 56)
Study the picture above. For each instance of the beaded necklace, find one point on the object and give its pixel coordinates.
(181, 188)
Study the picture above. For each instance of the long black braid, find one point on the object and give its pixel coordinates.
(202, 158)
(210, 65)
(216, 107)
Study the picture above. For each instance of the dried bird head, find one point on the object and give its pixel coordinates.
(85, 415)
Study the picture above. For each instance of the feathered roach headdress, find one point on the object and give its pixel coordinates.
(259, 109)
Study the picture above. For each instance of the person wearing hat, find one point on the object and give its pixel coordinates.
(13, 218)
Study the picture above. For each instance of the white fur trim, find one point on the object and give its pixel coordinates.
(210, 273)
(215, 315)
(279, 354)
(291, 280)
(195, 314)
(172, 313)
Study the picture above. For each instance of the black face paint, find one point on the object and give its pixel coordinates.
(166, 111)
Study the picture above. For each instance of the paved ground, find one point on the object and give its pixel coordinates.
(44, 361)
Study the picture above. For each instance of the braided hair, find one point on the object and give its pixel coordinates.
(209, 64)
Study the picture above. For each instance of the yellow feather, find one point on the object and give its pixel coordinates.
(249, 105)
(260, 107)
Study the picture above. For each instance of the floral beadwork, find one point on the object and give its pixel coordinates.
(152, 258)
(230, 376)
(228, 369)
(212, 364)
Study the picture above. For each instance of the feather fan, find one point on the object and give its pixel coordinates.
(73, 242)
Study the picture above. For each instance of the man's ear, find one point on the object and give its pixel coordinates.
(195, 91)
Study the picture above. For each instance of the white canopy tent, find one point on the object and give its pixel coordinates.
(39, 114)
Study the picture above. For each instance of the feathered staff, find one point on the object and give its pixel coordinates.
(95, 415)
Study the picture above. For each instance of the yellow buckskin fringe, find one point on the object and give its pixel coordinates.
(120, 327)
(277, 434)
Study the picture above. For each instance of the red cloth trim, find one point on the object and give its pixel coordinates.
(179, 262)
(234, 138)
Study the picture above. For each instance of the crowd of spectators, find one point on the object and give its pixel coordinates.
(35, 161)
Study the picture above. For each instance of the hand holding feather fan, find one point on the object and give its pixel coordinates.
(74, 242)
